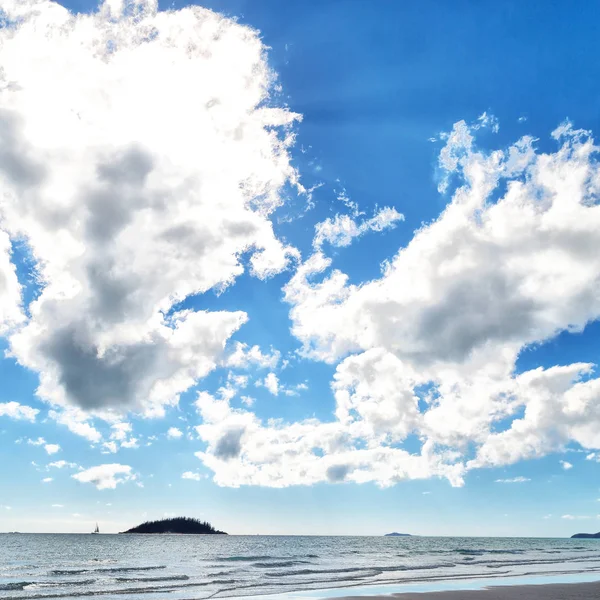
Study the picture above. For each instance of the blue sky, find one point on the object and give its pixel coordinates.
(310, 267)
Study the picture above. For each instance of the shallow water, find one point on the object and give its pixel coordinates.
(187, 567)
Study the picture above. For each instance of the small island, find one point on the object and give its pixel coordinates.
(585, 536)
(183, 525)
(396, 534)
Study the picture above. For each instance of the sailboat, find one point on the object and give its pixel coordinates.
(97, 530)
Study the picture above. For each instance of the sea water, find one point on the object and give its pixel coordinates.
(187, 567)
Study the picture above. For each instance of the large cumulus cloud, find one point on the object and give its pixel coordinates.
(140, 162)
(430, 348)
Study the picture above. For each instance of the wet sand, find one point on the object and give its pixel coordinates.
(559, 591)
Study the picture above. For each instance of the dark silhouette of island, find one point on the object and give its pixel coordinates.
(176, 525)
(587, 536)
(396, 534)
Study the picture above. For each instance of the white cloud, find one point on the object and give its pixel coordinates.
(17, 411)
(272, 383)
(47, 480)
(192, 475)
(247, 400)
(129, 206)
(429, 348)
(77, 422)
(174, 434)
(566, 465)
(110, 447)
(519, 479)
(39, 442)
(575, 517)
(52, 448)
(244, 356)
(343, 229)
(559, 408)
(106, 476)
(239, 381)
(120, 431)
(475, 287)
(120, 437)
(58, 506)
(243, 451)
(274, 386)
(131, 443)
(11, 313)
(61, 464)
(5, 507)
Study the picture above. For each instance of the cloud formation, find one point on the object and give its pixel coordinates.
(341, 230)
(61, 464)
(429, 349)
(105, 477)
(191, 475)
(11, 313)
(52, 448)
(17, 411)
(174, 434)
(140, 167)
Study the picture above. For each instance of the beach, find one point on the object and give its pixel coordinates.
(557, 591)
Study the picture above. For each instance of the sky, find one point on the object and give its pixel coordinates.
(300, 268)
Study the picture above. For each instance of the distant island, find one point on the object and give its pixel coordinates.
(586, 536)
(396, 534)
(176, 525)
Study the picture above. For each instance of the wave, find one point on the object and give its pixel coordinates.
(21, 585)
(465, 551)
(322, 571)
(16, 585)
(374, 570)
(250, 558)
(356, 580)
(68, 571)
(149, 579)
(276, 565)
(121, 591)
(105, 570)
(264, 558)
(536, 561)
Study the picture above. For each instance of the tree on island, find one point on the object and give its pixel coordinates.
(176, 525)
(593, 536)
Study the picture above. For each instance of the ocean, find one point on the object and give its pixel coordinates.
(180, 567)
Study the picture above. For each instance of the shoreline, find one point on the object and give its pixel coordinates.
(581, 586)
(532, 591)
